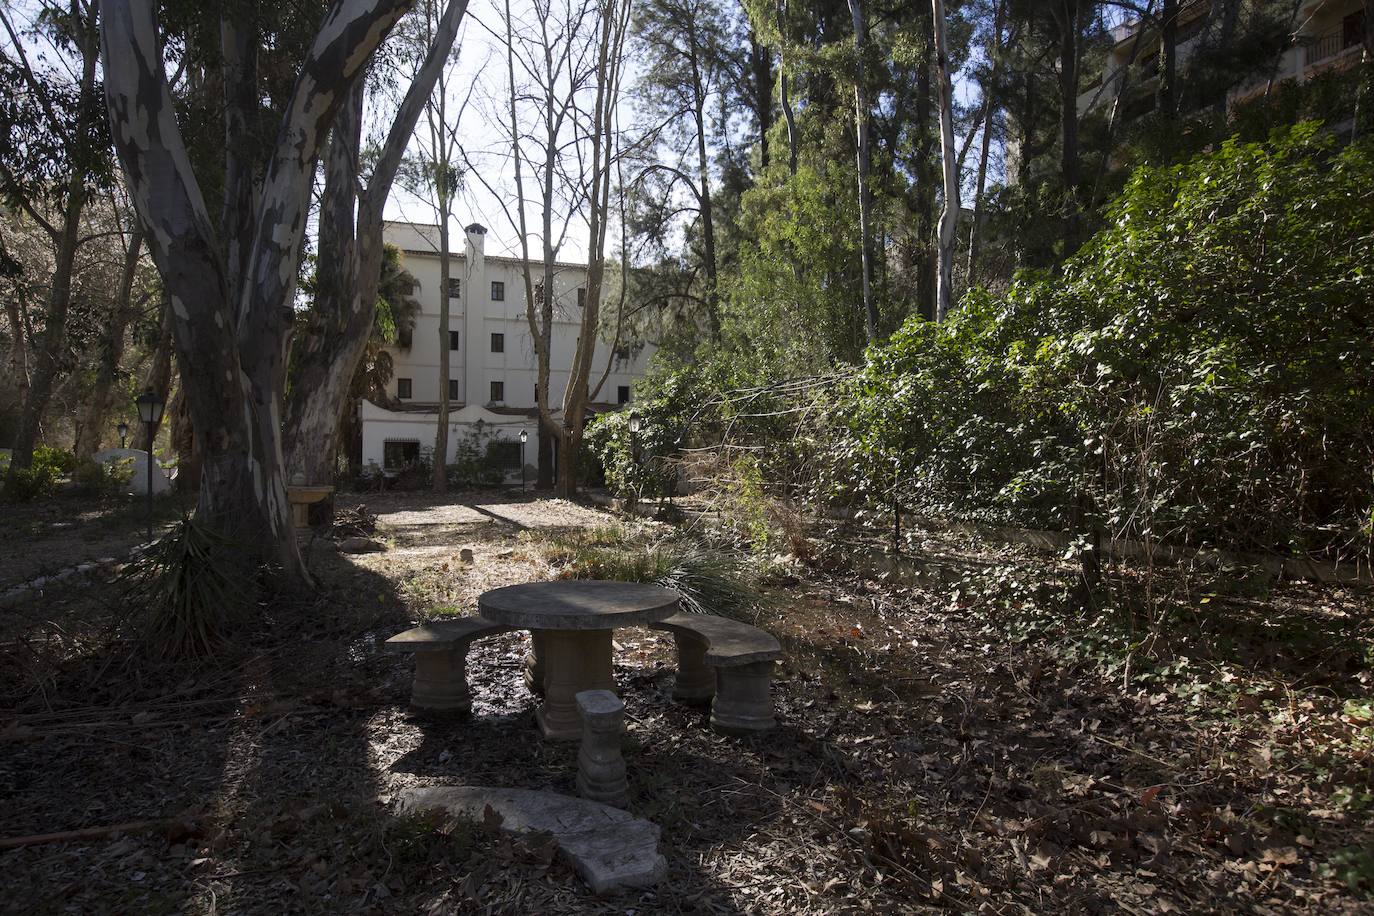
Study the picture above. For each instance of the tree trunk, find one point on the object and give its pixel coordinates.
(544, 479)
(708, 225)
(111, 352)
(1168, 37)
(47, 354)
(785, 97)
(949, 218)
(232, 351)
(861, 125)
(440, 482)
(975, 236)
(327, 354)
(761, 68)
(1068, 15)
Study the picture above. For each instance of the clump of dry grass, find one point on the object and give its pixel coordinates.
(709, 579)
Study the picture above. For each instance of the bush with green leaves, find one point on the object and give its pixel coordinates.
(102, 479)
(1201, 372)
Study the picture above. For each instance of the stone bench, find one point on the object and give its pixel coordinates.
(441, 654)
(728, 662)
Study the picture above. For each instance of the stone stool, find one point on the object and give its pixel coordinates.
(600, 766)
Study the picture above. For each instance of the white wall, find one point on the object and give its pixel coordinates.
(477, 317)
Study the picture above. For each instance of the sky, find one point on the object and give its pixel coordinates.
(480, 76)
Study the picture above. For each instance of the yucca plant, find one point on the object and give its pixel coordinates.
(187, 588)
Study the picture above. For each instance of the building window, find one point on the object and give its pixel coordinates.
(536, 394)
(498, 391)
(582, 297)
(404, 337)
(498, 343)
(498, 291)
(538, 292)
(403, 388)
(400, 453)
(622, 394)
(453, 389)
(454, 341)
(455, 287)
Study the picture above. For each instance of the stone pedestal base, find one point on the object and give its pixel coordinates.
(742, 703)
(695, 682)
(600, 767)
(534, 664)
(575, 660)
(441, 683)
(300, 515)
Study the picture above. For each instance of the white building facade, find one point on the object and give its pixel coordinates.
(493, 371)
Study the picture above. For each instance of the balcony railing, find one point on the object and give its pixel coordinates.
(1325, 47)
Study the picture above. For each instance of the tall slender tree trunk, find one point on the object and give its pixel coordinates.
(440, 482)
(975, 233)
(862, 115)
(708, 223)
(761, 69)
(111, 352)
(949, 218)
(785, 97)
(47, 354)
(1168, 38)
(1068, 17)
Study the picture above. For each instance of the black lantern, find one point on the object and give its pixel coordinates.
(150, 406)
(123, 430)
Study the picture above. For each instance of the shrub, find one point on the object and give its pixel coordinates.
(1203, 371)
(34, 482)
(98, 479)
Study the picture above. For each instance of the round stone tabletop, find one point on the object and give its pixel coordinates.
(577, 604)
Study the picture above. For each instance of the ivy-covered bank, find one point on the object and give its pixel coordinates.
(1201, 372)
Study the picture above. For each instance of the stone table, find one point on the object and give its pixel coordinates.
(575, 619)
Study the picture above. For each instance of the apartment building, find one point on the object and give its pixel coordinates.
(1327, 35)
(492, 367)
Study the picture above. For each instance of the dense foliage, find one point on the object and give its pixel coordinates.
(1201, 372)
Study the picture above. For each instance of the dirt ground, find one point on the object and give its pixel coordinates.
(923, 760)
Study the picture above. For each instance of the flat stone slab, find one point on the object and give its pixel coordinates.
(730, 642)
(577, 604)
(611, 849)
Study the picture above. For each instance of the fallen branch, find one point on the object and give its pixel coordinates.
(99, 833)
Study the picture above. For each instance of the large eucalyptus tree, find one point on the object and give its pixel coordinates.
(231, 291)
(351, 248)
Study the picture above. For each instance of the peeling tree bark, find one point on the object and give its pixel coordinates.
(335, 339)
(232, 320)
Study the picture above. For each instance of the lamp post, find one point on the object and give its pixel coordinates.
(634, 425)
(123, 429)
(524, 437)
(150, 407)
